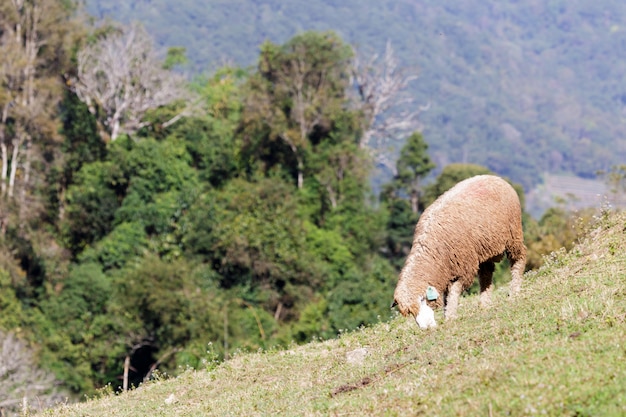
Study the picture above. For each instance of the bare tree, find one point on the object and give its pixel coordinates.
(122, 76)
(390, 110)
(23, 385)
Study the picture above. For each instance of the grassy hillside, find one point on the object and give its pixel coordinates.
(520, 87)
(558, 349)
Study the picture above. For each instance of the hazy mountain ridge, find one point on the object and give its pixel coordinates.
(521, 87)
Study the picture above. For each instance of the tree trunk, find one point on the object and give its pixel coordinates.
(414, 202)
(279, 309)
(226, 332)
(299, 162)
(5, 167)
(332, 196)
(16, 149)
(415, 193)
(300, 176)
(126, 371)
(5, 150)
(115, 130)
(23, 204)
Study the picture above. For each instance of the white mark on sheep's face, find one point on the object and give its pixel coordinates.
(426, 317)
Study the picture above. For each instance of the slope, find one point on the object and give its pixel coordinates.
(557, 349)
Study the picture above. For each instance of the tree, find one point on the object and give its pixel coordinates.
(159, 308)
(82, 145)
(413, 165)
(32, 37)
(147, 183)
(253, 235)
(211, 138)
(297, 92)
(383, 97)
(558, 228)
(120, 78)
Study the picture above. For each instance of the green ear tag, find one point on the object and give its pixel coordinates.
(431, 293)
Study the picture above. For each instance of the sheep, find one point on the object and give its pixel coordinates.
(463, 233)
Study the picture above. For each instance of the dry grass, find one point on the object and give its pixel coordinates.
(558, 349)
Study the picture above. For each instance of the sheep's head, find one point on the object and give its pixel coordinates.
(416, 306)
(406, 303)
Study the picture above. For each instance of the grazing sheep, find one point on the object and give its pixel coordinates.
(463, 233)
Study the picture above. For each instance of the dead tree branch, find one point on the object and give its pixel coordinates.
(382, 93)
(122, 76)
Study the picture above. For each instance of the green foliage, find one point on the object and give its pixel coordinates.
(84, 295)
(362, 297)
(400, 228)
(12, 313)
(152, 167)
(125, 242)
(134, 173)
(82, 142)
(150, 301)
(251, 234)
(80, 309)
(413, 164)
(313, 323)
(211, 140)
(296, 103)
(331, 249)
(556, 229)
(414, 161)
(91, 204)
(162, 306)
(176, 56)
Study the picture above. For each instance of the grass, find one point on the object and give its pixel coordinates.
(558, 349)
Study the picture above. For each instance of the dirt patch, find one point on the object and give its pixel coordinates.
(389, 369)
(351, 387)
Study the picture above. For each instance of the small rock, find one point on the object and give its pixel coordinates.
(357, 356)
(171, 399)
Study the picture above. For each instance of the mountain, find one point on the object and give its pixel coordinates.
(523, 87)
(557, 350)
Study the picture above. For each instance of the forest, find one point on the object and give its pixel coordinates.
(524, 88)
(151, 222)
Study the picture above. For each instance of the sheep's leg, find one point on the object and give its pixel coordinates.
(452, 300)
(485, 278)
(518, 263)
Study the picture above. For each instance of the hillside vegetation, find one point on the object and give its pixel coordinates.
(520, 87)
(557, 349)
